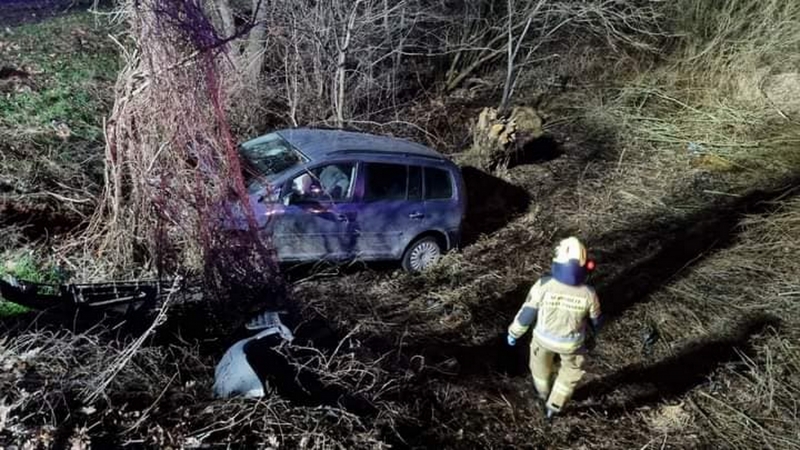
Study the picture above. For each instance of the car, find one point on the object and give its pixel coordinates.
(336, 195)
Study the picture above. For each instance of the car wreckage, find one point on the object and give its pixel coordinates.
(235, 374)
(321, 195)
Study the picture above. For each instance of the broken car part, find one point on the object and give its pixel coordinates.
(235, 375)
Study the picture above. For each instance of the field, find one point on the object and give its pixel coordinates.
(679, 167)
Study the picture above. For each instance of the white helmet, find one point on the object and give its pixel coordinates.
(570, 248)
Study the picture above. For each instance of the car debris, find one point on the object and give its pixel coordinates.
(234, 374)
(116, 296)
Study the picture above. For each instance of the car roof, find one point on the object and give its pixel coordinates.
(318, 143)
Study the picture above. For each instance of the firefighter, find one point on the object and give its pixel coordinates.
(562, 307)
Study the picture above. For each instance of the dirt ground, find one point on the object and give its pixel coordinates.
(698, 257)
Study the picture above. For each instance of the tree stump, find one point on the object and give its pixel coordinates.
(495, 138)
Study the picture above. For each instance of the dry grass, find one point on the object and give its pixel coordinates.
(452, 313)
(751, 400)
(759, 406)
(44, 372)
(710, 97)
(426, 351)
(161, 395)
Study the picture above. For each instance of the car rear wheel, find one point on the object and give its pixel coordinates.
(421, 254)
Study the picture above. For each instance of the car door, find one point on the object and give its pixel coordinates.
(311, 221)
(391, 210)
(442, 207)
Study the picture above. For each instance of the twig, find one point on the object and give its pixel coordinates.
(67, 199)
(398, 122)
(146, 412)
(750, 421)
(126, 355)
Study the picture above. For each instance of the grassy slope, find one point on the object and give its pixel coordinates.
(71, 65)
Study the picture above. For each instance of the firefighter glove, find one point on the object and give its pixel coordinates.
(511, 340)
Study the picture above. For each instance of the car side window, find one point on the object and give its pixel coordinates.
(332, 182)
(385, 182)
(438, 184)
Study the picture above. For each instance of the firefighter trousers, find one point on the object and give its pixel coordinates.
(555, 393)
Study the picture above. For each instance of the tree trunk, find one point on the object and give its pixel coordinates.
(340, 65)
(225, 14)
(254, 52)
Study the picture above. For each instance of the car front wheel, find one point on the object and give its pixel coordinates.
(421, 254)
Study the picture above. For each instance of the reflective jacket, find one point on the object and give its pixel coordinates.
(561, 312)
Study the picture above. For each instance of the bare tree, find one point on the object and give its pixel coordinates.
(514, 44)
(487, 33)
(340, 62)
(336, 56)
(513, 50)
(222, 13)
(341, 58)
(174, 184)
(256, 44)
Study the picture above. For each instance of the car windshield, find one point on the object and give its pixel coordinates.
(268, 155)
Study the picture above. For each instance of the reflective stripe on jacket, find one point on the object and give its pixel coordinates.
(560, 312)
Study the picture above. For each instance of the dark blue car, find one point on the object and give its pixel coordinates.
(341, 195)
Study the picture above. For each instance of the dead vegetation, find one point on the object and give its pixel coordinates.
(678, 170)
(722, 374)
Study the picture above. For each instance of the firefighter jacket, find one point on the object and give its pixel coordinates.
(561, 312)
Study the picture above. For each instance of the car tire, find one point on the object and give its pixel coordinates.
(421, 254)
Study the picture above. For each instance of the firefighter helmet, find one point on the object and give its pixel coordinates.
(570, 249)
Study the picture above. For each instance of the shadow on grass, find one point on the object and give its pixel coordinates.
(656, 251)
(643, 383)
(491, 203)
(539, 150)
(668, 247)
(297, 382)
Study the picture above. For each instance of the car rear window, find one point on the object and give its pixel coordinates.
(438, 185)
(385, 182)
